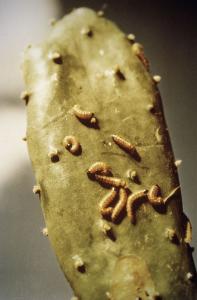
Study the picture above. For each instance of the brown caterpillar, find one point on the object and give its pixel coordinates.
(109, 198)
(126, 146)
(139, 51)
(120, 206)
(99, 168)
(154, 195)
(111, 181)
(72, 145)
(134, 200)
(83, 115)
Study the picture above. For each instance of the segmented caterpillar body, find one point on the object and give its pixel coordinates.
(71, 144)
(111, 181)
(109, 198)
(134, 200)
(99, 168)
(120, 206)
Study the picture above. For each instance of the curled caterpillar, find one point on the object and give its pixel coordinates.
(72, 145)
(133, 202)
(111, 181)
(109, 198)
(154, 195)
(99, 168)
(120, 206)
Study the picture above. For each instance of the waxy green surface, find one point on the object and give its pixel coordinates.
(142, 261)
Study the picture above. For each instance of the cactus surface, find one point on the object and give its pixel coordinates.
(96, 130)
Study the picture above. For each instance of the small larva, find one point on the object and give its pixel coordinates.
(109, 198)
(111, 181)
(36, 189)
(99, 168)
(120, 206)
(72, 145)
(154, 195)
(24, 139)
(188, 232)
(84, 116)
(171, 194)
(125, 145)
(134, 200)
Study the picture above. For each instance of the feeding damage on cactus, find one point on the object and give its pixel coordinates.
(104, 166)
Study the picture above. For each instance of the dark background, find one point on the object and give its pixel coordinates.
(168, 31)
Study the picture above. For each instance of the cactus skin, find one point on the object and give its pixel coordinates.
(141, 260)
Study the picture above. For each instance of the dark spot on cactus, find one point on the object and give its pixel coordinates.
(172, 236)
(111, 235)
(25, 95)
(151, 108)
(57, 58)
(87, 31)
(81, 269)
(119, 74)
(91, 124)
(55, 158)
(24, 139)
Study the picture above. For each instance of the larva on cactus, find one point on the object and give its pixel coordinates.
(109, 198)
(133, 202)
(131, 37)
(85, 116)
(71, 143)
(120, 206)
(99, 167)
(126, 146)
(45, 231)
(154, 195)
(111, 181)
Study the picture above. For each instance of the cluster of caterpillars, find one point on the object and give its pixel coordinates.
(120, 198)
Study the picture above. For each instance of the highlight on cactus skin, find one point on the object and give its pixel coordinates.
(104, 166)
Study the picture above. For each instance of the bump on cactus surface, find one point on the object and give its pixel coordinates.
(98, 143)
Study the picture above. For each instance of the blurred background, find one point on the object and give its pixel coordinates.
(168, 30)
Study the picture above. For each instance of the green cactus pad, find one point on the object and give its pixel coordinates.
(88, 63)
